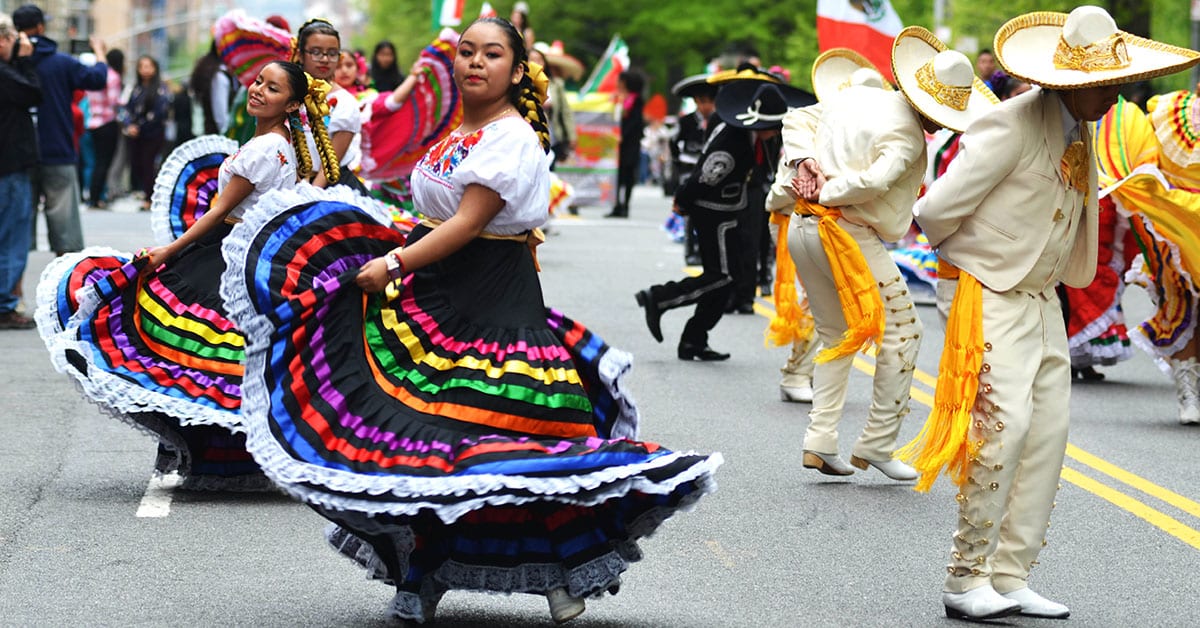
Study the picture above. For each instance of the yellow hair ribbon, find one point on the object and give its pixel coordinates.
(316, 100)
(541, 82)
(945, 439)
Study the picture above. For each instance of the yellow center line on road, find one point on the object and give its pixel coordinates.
(1160, 520)
(1154, 517)
(1136, 481)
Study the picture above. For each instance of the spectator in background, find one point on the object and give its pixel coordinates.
(213, 89)
(19, 90)
(145, 116)
(385, 74)
(103, 127)
(629, 154)
(985, 67)
(346, 74)
(179, 120)
(520, 20)
(55, 178)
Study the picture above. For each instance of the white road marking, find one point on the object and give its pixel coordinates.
(157, 500)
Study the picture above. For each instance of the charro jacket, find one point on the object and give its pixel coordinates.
(993, 212)
(871, 146)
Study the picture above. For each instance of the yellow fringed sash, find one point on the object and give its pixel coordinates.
(861, 304)
(792, 321)
(944, 440)
(532, 238)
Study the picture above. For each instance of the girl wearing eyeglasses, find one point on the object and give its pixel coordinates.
(318, 47)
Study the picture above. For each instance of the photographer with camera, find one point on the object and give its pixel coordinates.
(19, 90)
(54, 178)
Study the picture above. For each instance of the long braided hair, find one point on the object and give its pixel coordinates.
(316, 111)
(528, 94)
(300, 84)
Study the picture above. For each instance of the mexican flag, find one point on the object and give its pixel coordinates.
(447, 13)
(865, 26)
(487, 10)
(604, 77)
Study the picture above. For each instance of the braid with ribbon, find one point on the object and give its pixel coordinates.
(316, 104)
(303, 159)
(531, 94)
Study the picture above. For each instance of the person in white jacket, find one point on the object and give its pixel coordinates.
(860, 159)
(1014, 215)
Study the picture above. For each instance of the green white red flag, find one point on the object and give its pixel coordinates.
(604, 76)
(866, 26)
(447, 13)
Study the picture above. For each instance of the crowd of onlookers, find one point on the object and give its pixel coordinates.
(82, 131)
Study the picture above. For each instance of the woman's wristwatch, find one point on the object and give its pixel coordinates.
(395, 265)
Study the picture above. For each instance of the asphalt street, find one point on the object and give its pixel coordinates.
(776, 545)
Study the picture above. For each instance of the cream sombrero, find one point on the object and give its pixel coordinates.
(1083, 49)
(839, 68)
(556, 57)
(939, 83)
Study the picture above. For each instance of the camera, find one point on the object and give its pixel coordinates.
(79, 46)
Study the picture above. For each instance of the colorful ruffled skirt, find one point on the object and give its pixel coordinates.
(457, 433)
(155, 351)
(1096, 331)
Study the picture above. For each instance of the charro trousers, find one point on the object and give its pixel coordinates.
(1020, 415)
(895, 362)
(717, 233)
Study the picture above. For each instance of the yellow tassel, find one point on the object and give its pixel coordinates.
(944, 441)
(857, 291)
(792, 321)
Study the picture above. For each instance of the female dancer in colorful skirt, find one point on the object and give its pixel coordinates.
(1150, 167)
(148, 339)
(458, 433)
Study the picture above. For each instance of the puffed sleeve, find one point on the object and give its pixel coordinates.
(344, 114)
(509, 160)
(261, 161)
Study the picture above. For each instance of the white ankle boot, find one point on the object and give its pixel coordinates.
(802, 393)
(829, 464)
(1185, 374)
(1034, 605)
(979, 603)
(563, 607)
(891, 467)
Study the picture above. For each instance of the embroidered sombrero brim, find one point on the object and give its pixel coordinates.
(913, 48)
(1025, 48)
(831, 71)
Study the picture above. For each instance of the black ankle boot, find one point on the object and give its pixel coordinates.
(688, 352)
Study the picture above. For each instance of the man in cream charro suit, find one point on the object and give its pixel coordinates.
(833, 71)
(860, 159)
(1014, 215)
